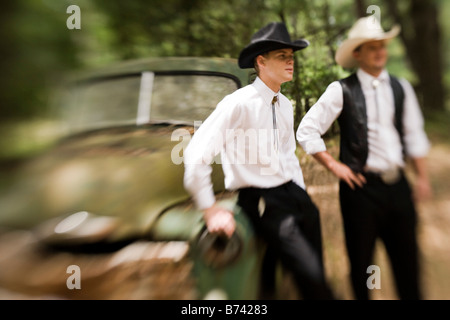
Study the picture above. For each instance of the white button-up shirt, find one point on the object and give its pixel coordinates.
(385, 149)
(241, 130)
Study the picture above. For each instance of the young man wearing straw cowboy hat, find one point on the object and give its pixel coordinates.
(263, 167)
(381, 125)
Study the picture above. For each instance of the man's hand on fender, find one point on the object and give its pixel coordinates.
(219, 220)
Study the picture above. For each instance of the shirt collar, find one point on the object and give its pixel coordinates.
(366, 79)
(265, 92)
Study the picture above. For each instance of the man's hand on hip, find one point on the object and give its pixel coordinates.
(346, 174)
(340, 170)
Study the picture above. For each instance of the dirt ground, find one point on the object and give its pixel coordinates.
(433, 230)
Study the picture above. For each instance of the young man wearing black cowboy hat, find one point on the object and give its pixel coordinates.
(380, 125)
(269, 180)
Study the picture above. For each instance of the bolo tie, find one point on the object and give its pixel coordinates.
(274, 119)
(375, 84)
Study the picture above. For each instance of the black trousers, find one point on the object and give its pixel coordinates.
(290, 225)
(386, 212)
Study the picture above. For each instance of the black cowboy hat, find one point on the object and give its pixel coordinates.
(273, 36)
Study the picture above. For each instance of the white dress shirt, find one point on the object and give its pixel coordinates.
(240, 129)
(385, 149)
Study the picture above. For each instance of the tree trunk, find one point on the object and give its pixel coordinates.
(360, 8)
(422, 39)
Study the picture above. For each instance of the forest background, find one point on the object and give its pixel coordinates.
(39, 50)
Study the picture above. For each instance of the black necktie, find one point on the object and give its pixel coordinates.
(274, 117)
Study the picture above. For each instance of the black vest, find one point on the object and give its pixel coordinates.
(353, 121)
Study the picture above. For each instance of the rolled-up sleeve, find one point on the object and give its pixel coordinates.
(319, 119)
(416, 141)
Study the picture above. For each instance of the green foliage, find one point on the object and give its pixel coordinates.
(39, 50)
(180, 28)
(35, 50)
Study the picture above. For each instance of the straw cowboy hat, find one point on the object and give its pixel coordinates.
(273, 36)
(364, 30)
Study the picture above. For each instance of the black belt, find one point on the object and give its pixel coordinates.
(267, 188)
(389, 177)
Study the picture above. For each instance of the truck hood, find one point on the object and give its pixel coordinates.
(120, 180)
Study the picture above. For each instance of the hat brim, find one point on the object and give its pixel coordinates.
(249, 53)
(344, 54)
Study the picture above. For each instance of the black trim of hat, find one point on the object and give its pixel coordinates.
(273, 36)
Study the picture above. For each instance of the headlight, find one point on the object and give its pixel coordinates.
(80, 227)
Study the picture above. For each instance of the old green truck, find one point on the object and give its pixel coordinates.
(103, 213)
